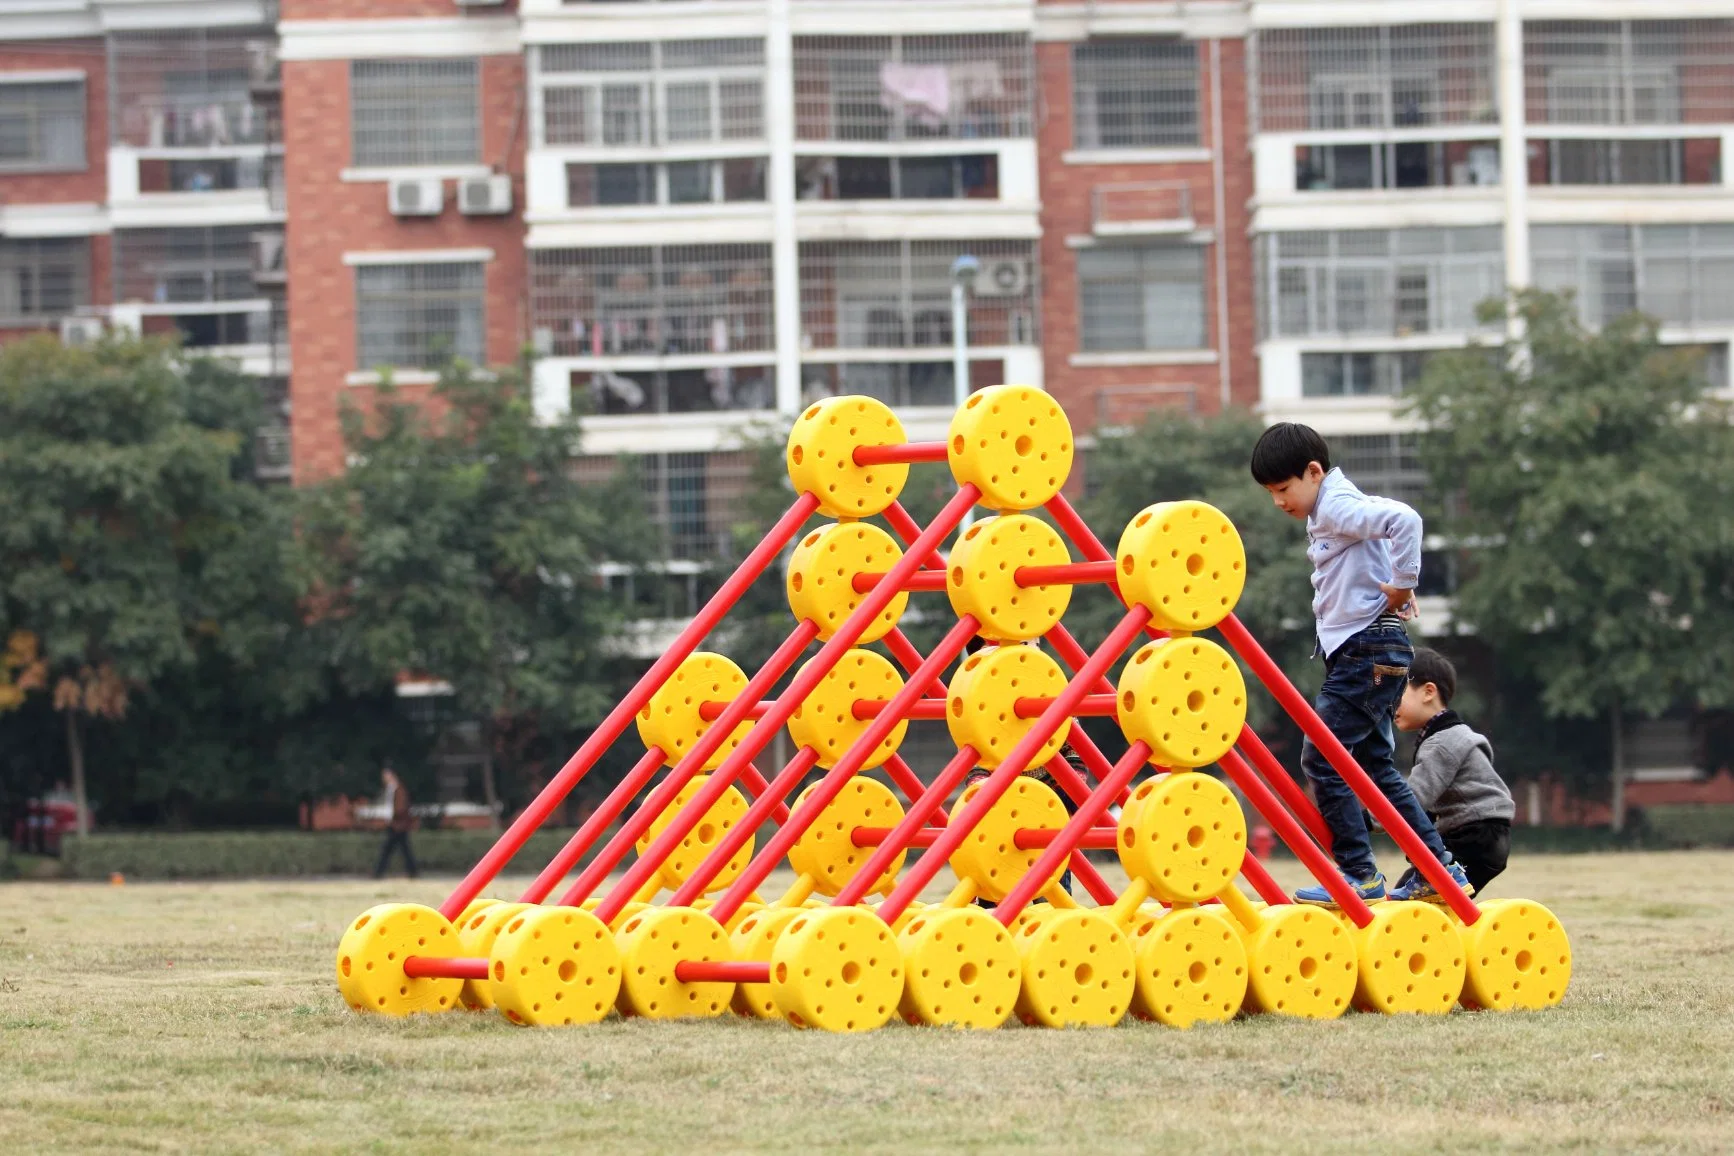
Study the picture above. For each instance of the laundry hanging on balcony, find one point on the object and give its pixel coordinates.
(922, 91)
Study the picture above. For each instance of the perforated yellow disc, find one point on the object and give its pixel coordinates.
(651, 944)
(1184, 562)
(837, 969)
(980, 703)
(821, 461)
(1185, 835)
(1301, 963)
(1411, 960)
(826, 850)
(626, 913)
(1518, 956)
(1014, 443)
(471, 908)
(904, 918)
(370, 960)
(1078, 970)
(826, 720)
(1186, 698)
(988, 854)
(741, 913)
(702, 839)
(962, 969)
(476, 937)
(671, 719)
(1191, 969)
(983, 577)
(821, 577)
(753, 940)
(555, 965)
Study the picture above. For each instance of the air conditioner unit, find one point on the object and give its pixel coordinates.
(268, 267)
(1002, 279)
(417, 197)
(80, 330)
(485, 196)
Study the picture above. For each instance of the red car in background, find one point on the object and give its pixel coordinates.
(44, 821)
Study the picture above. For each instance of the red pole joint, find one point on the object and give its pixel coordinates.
(1065, 574)
(722, 971)
(444, 967)
(1090, 706)
(925, 580)
(901, 454)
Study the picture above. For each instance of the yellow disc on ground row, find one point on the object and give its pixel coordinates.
(671, 719)
(699, 842)
(826, 850)
(1014, 443)
(904, 918)
(821, 456)
(626, 913)
(1184, 835)
(826, 720)
(1184, 562)
(1411, 960)
(752, 941)
(652, 944)
(1185, 697)
(742, 912)
(1191, 969)
(989, 854)
(553, 966)
(821, 579)
(982, 577)
(1078, 970)
(837, 969)
(981, 703)
(962, 969)
(1301, 962)
(1518, 956)
(476, 937)
(370, 960)
(471, 908)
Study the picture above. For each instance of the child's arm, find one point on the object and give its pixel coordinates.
(1435, 768)
(1358, 516)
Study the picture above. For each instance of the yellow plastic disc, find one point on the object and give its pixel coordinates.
(982, 579)
(1191, 969)
(826, 850)
(821, 579)
(981, 702)
(1518, 957)
(476, 937)
(752, 940)
(627, 912)
(1185, 835)
(651, 944)
(988, 854)
(1184, 562)
(1078, 970)
(821, 456)
(741, 913)
(904, 918)
(702, 839)
(826, 720)
(370, 960)
(837, 969)
(963, 970)
(1411, 960)
(671, 719)
(472, 907)
(555, 965)
(1186, 698)
(1301, 963)
(1014, 443)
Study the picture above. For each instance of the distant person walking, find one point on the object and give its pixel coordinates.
(397, 825)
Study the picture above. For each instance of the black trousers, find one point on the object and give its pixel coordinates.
(395, 840)
(1482, 847)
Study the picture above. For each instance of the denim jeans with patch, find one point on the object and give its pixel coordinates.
(1363, 683)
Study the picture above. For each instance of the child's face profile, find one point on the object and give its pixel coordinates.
(1418, 706)
(1297, 496)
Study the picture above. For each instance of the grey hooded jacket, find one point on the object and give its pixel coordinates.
(1453, 776)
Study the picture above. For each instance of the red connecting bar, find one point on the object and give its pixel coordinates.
(902, 454)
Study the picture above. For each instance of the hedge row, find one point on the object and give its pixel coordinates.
(235, 854)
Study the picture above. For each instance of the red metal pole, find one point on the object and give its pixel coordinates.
(1077, 529)
(909, 530)
(1095, 839)
(1073, 785)
(906, 781)
(437, 967)
(1026, 839)
(721, 971)
(1267, 888)
(926, 708)
(599, 821)
(1065, 574)
(1073, 655)
(926, 580)
(894, 843)
(755, 782)
(900, 454)
(621, 716)
(1277, 777)
(1092, 706)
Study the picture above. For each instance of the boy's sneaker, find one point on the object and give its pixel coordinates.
(1370, 890)
(1414, 885)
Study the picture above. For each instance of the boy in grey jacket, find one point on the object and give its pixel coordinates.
(1453, 778)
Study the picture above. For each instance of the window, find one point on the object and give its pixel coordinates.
(1146, 297)
(1383, 374)
(1134, 94)
(419, 316)
(717, 387)
(1627, 72)
(190, 88)
(695, 499)
(414, 112)
(1393, 282)
(868, 178)
(1397, 165)
(1385, 464)
(1615, 162)
(43, 280)
(675, 183)
(184, 266)
(896, 383)
(644, 93)
(41, 125)
(1399, 77)
(877, 88)
(1680, 274)
(897, 294)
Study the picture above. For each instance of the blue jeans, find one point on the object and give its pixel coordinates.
(1363, 682)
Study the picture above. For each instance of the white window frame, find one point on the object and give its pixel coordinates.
(13, 82)
(653, 85)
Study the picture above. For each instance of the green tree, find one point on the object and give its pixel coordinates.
(1591, 475)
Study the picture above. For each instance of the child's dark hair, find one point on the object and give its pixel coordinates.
(1284, 450)
(1431, 666)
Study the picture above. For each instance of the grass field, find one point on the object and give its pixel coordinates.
(205, 1018)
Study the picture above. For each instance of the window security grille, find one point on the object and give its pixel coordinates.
(1136, 297)
(43, 280)
(651, 93)
(414, 112)
(1134, 94)
(854, 88)
(897, 295)
(42, 126)
(1629, 72)
(184, 266)
(1400, 77)
(1394, 282)
(419, 316)
(186, 88)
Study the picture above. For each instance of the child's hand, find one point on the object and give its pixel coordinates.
(1400, 602)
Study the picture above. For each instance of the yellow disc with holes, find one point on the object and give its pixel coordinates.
(1078, 970)
(370, 960)
(627, 912)
(1183, 834)
(1301, 962)
(471, 908)
(826, 850)
(826, 720)
(1518, 957)
(651, 944)
(671, 719)
(837, 969)
(555, 965)
(962, 969)
(1411, 960)
(1186, 698)
(752, 940)
(702, 839)
(1191, 969)
(1014, 443)
(980, 705)
(821, 456)
(1184, 562)
(821, 579)
(742, 912)
(904, 918)
(982, 577)
(989, 854)
(476, 937)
